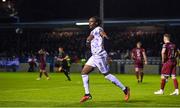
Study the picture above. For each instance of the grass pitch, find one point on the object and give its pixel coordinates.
(23, 90)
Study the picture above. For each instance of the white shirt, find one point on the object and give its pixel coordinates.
(97, 43)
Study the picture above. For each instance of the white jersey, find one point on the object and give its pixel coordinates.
(99, 56)
(97, 43)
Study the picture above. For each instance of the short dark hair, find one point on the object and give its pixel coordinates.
(61, 48)
(98, 20)
(139, 42)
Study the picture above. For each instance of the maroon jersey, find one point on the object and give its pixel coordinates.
(170, 53)
(42, 58)
(138, 55)
(169, 66)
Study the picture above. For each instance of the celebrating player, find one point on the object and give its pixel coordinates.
(139, 56)
(61, 63)
(42, 63)
(169, 54)
(98, 59)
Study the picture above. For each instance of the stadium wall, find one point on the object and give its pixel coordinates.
(114, 68)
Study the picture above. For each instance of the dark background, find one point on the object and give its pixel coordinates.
(38, 10)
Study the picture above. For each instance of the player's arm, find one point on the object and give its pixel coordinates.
(29, 60)
(132, 55)
(66, 57)
(163, 54)
(40, 51)
(89, 39)
(47, 53)
(177, 53)
(109, 59)
(104, 35)
(145, 57)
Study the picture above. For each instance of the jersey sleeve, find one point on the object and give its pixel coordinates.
(143, 50)
(92, 32)
(164, 46)
(100, 29)
(96, 31)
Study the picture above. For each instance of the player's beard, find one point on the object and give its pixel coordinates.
(92, 28)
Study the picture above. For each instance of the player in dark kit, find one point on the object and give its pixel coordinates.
(61, 63)
(42, 64)
(169, 54)
(139, 56)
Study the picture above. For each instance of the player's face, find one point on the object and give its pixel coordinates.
(165, 39)
(60, 49)
(92, 23)
(139, 45)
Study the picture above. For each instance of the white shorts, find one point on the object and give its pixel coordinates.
(99, 61)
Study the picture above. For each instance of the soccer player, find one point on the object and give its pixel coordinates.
(169, 54)
(139, 56)
(62, 63)
(98, 59)
(32, 63)
(42, 64)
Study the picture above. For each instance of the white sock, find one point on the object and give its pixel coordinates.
(114, 80)
(85, 79)
(176, 90)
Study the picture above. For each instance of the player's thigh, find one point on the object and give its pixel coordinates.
(41, 69)
(59, 68)
(140, 69)
(88, 67)
(44, 70)
(102, 64)
(65, 66)
(136, 69)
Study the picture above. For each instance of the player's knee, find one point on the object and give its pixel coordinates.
(83, 72)
(105, 74)
(163, 77)
(141, 71)
(173, 77)
(87, 69)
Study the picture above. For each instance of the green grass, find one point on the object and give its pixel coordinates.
(22, 90)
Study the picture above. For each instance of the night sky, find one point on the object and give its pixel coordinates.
(39, 10)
